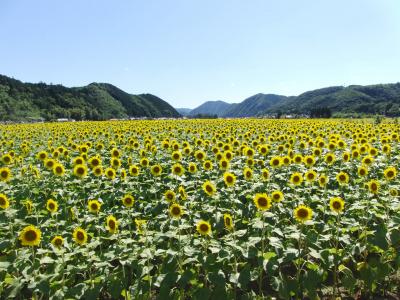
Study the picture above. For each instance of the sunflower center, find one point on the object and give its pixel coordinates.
(4, 174)
(2, 201)
(336, 205)
(58, 242)
(176, 211)
(94, 206)
(80, 171)
(302, 213)
(51, 205)
(59, 170)
(296, 178)
(262, 201)
(229, 179)
(390, 173)
(128, 201)
(228, 221)
(209, 188)
(204, 227)
(30, 235)
(342, 177)
(374, 186)
(177, 169)
(156, 169)
(111, 224)
(80, 236)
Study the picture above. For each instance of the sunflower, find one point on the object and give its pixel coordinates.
(80, 236)
(128, 200)
(330, 158)
(176, 155)
(296, 178)
(144, 162)
(112, 224)
(182, 192)
(5, 174)
(228, 221)
(30, 236)
(42, 155)
(140, 225)
(175, 211)
(156, 170)
(229, 179)
(94, 162)
(248, 173)
(78, 160)
(97, 171)
(303, 213)
(209, 188)
(322, 180)
(115, 163)
(192, 167)
(203, 227)
(336, 204)
(373, 186)
(362, 171)
(94, 206)
(57, 241)
(277, 196)
(200, 155)
(393, 192)
(7, 159)
(208, 165)
(4, 202)
(367, 160)
(342, 178)
(110, 173)
(51, 205)
(265, 174)
(390, 173)
(134, 170)
(275, 162)
(309, 160)
(58, 169)
(115, 153)
(170, 196)
(223, 164)
(80, 171)
(178, 169)
(310, 175)
(262, 201)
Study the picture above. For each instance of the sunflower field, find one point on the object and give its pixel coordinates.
(202, 209)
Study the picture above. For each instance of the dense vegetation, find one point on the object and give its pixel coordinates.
(339, 101)
(253, 105)
(200, 209)
(96, 101)
(352, 100)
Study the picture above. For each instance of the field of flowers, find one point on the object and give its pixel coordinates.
(203, 209)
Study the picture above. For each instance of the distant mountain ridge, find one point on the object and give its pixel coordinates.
(211, 108)
(96, 101)
(341, 101)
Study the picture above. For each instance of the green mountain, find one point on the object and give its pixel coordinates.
(96, 101)
(211, 108)
(351, 100)
(253, 105)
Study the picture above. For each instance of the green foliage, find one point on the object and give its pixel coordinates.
(97, 101)
(353, 101)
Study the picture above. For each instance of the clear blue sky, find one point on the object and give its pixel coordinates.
(191, 51)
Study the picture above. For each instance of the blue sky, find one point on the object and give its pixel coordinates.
(191, 51)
